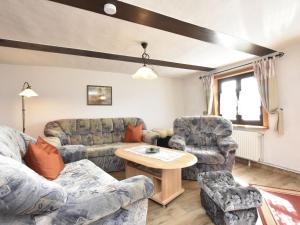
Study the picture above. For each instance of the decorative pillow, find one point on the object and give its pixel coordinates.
(134, 134)
(22, 191)
(44, 159)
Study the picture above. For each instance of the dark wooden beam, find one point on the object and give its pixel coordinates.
(155, 20)
(93, 54)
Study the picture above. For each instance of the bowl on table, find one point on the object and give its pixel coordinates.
(152, 150)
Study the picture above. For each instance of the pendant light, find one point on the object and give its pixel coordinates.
(145, 72)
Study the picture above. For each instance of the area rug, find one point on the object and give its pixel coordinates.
(280, 206)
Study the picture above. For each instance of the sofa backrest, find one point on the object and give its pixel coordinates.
(202, 131)
(12, 143)
(90, 131)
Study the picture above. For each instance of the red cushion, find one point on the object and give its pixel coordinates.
(44, 159)
(134, 134)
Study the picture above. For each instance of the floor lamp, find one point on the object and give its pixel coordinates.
(26, 92)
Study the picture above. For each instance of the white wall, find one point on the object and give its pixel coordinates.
(284, 151)
(280, 151)
(194, 102)
(62, 94)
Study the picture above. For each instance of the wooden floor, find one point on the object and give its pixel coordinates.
(187, 210)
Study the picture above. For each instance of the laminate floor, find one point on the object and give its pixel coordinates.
(187, 209)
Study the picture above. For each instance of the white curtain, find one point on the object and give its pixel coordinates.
(208, 82)
(265, 74)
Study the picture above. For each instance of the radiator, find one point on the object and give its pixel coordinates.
(250, 144)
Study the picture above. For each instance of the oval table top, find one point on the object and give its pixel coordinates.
(186, 160)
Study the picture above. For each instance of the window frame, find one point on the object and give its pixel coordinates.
(238, 75)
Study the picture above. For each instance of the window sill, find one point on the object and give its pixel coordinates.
(250, 128)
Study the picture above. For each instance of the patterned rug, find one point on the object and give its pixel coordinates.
(280, 206)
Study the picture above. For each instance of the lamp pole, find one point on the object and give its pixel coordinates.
(26, 92)
(23, 113)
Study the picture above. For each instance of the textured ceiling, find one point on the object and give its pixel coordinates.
(28, 57)
(270, 23)
(265, 22)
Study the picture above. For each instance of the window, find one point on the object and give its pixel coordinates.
(239, 100)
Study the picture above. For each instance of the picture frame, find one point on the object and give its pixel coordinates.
(99, 95)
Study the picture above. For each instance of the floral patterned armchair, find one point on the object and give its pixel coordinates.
(209, 139)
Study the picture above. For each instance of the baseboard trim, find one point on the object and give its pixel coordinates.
(268, 167)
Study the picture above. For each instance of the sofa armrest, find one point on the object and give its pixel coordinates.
(134, 189)
(52, 129)
(177, 142)
(150, 137)
(55, 141)
(73, 153)
(163, 132)
(227, 144)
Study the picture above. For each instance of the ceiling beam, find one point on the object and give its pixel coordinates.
(94, 54)
(152, 19)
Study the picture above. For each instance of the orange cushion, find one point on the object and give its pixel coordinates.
(44, 159)
(134, 134)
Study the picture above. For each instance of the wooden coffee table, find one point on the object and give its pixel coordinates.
(166, 175)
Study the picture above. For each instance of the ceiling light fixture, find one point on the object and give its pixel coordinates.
(110, 7)
(145, 72)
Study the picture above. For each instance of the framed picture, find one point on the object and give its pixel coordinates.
(99, 95)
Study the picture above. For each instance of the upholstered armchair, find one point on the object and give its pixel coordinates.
(209, 139)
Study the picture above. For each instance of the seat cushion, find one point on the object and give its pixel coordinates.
(81, 175)
(206, 154)
(86, 185)
(106, 149)
(94, 194)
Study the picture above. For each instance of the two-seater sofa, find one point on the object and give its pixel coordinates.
(99, 138)
(82, 193)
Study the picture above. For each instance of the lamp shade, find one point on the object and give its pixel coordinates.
(145, 73)
(28, 92)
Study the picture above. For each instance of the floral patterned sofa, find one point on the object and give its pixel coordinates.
(99, 138)
(209, 139)
(82, 194)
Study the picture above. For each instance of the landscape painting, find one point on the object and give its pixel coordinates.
(99, 95)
